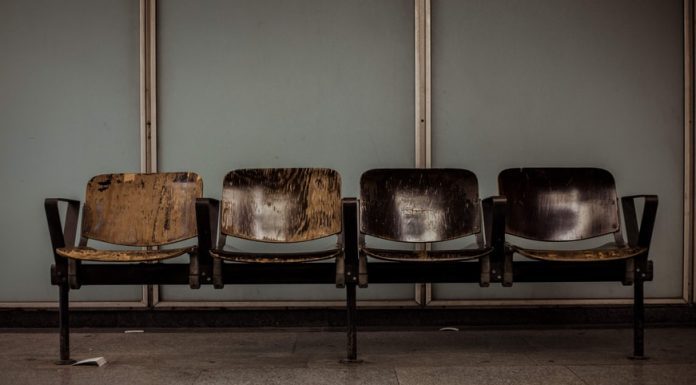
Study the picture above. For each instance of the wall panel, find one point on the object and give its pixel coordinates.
(310, 83)
(68, 111)
(565, 83)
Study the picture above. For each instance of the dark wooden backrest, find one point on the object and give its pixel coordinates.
(281, 205)
(559, 204)
(141, 209)
(419, 205)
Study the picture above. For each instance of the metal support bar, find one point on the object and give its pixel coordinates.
(638, 318)
(352, 273)
(64, 324)
(351, 328)
(524, 271)
(233, 273)
(325, 273)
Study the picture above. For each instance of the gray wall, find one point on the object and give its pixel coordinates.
(565, 83)
(330, 83)
(305, 83)
(68, 111)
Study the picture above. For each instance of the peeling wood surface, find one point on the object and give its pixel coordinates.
(419, 205)
(426, 255)
(141, 209)
(276, 257)
(559, 204)
(281, 205)
(591, 255)
(90, 254)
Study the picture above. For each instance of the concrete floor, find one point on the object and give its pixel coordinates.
(593, 356)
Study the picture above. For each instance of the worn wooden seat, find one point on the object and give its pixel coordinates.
(137, 210)
(91, 254)
(286, 205)
(134, 210)
(417, 207)
(425, 256)
(610, 252)
(280, 206)
(421, 206)
(245, 257)
(553, 205)
(564, 205)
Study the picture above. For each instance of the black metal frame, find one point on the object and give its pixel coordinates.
(481, 270)
(62, 237)
(643, 271)
(343, 273)
(202, 270)
(72, 274)
(636, 270)
(205, 270)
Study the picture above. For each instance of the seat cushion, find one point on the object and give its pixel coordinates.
(426, 255)
(90, 254)
(247, 257)
(604, 253)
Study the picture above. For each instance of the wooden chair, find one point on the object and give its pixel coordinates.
(281, 206)
(142, 210)
(421, 206)
(572, 204)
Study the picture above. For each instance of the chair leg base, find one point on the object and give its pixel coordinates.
(638, 358)
(65, 362)
(350, 361)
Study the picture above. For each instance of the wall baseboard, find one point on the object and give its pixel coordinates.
(470, 318)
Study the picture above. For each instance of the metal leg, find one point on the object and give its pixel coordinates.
(352, 341)
(64, 325)
(638, 319)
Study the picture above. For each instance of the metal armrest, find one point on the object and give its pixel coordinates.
(494, 231)
(639, 236)
(62, 235)
(350, 241)
(494, 220)
(639, 268)
(207, 210)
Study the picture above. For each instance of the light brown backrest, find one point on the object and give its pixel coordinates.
(419, 205)
(141, 209)
(559, 204)
(281, 205)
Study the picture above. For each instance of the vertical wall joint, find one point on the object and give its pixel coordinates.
(422, 82)
(148, 86)
(689, 170)
(423, 112)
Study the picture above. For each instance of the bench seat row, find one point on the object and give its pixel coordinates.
(146, 214)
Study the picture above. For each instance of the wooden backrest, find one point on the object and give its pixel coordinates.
(419, 205)
(559, 204)
(281, 205)
(141, 209)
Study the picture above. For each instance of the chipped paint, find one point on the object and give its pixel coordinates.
(141, 209)
(559, 204)
(419, 205)
(589, 255)
(281, 205)
(90, 254)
